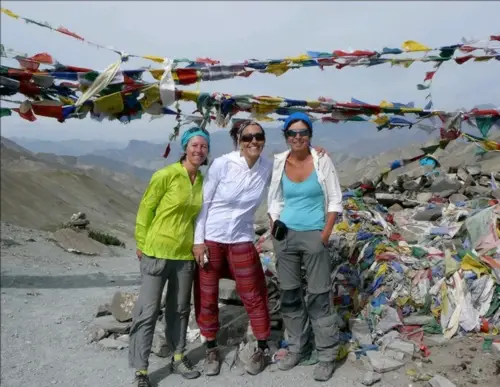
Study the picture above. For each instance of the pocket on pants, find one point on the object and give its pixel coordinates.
(152, 266)
(328, 330)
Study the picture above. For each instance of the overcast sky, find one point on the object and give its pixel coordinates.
(237, 30)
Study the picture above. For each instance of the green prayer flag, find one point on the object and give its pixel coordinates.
(5, 112)
(484, 125)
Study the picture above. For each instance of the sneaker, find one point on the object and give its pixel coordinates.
(186, 369)
(323, 371)
(141, 380)
(290, 361)
(258, 361)
(212, 362)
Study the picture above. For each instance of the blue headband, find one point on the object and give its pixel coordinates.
(296, 117)
(193, 132)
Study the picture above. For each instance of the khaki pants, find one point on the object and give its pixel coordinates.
(305, 248)
(155, 273)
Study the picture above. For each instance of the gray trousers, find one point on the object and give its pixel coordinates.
(306, 249)
(155, 273)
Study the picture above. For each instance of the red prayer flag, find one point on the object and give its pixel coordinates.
(429, 75)
(65, 31)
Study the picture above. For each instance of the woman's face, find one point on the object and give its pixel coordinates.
(298, 136)
(197, 150)
(252, 141)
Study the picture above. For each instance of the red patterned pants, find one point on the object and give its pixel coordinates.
(241, 263)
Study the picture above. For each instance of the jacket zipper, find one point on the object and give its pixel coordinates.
(189, 204)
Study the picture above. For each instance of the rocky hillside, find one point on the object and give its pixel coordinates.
(43, 190)
(457, 153)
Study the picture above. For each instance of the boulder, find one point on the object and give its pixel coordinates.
(122, 305)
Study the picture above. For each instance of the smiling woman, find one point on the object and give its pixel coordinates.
(304, 201)
(233, 191)
(164, 235)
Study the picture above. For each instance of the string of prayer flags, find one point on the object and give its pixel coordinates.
(208, 69)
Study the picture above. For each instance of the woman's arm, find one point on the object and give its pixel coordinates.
(147, 208)
(275, 196)
(334, 193)
(209, 187)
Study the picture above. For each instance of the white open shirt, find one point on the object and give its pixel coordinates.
(232, 192)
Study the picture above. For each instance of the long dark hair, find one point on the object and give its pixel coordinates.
(239, 126)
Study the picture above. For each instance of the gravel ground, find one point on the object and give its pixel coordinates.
(49, 298)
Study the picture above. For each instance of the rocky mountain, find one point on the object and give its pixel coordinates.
(73, 147)
(142, 158)
(41, 191)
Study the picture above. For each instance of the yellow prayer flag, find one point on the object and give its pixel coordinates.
(380, 120)
(470, 264)
(66, 100)
(270, 100)
(157, 73)
(190, 95)
(483, 58)
(151, 95)
(402, 62)
(381, 270)
(8, 12)
(262, 110)
(298, 59)
(156, 59)
(385, 104)
(110, 104)
(413, 46)
(410, 110)
(277, 69)
(313, 104)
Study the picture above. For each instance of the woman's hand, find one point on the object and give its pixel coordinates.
(325, 237)
(199, 253)
(139, 254)
(321, 151)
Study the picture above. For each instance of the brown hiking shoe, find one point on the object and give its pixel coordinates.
(258, 361)
(212, 362)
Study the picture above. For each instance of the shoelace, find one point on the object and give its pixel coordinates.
(257, 355)
(187, 363)
(212, 356)
(142, 381)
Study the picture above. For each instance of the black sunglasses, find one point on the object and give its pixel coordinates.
(248, 137)
(295, 133)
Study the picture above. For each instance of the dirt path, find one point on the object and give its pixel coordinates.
(49, 298)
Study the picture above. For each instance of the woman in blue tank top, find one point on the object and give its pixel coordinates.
(304, 200)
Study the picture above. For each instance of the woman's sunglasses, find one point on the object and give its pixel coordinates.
(248, 137)
(295, 133)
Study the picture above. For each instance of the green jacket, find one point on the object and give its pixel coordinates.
(167, 214)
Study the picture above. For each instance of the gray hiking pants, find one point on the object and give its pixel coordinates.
(305, 248)
(155, 273)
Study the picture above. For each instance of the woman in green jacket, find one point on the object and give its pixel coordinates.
(164, 235)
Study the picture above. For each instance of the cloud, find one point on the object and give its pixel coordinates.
(231, 31)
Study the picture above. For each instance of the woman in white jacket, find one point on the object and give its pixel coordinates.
(304, 200)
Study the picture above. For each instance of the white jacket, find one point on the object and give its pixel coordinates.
(327, 178)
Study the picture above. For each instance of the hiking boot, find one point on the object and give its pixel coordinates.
(323, 371)
(185, 369)
(141, 380)
(290, 361)
(258, 361)
(212, 362)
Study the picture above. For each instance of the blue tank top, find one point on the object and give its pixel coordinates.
(304, 204)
